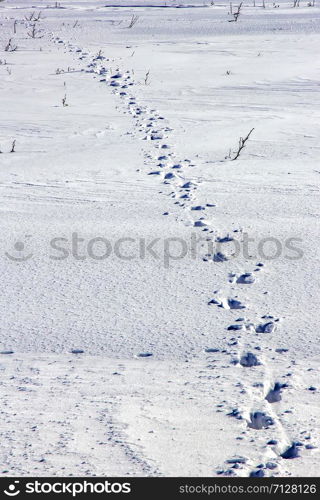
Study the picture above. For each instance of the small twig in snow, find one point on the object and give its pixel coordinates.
(133, 21)
(146, 78)
(236, 14)
(242, 145)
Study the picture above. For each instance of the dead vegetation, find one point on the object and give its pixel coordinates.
(11, 46)
(242, 144)
(133, 21)
(146, 78)
(33, 16)
(34, 32)
(235, 14)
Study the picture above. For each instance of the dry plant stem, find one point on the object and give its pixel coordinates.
(242, 145)
(133, 21)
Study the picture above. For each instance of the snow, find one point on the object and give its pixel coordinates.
(132, 299)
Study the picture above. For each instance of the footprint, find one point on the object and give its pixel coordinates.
(200, 223)
(246, 279)
(220, 257)
(169, 175)
(266, 327)
(224, 239)
(189, 185)
(213, 301)
(232, 304)
(257, 473)
(259, 420)
(117, 75)
(198, 207)
(248, 360)
(236, 327)
(274, 395)
(291, 452)
(235, 413)
(156, 136)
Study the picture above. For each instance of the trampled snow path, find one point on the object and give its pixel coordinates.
(175, 173)
(254, 371)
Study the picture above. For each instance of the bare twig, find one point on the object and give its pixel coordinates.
(10, 47)
(13, 147)
(29, 17)
(33, 16)
(242, 145)
(134, 20)
(228, 156)
(99, 55)
(64, 101)
(146, 78)
(236, 14)
(34, 33)
(60, 71)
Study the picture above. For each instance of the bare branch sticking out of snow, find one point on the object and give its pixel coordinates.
(242, 145)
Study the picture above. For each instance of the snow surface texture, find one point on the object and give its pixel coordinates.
(159, 364)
